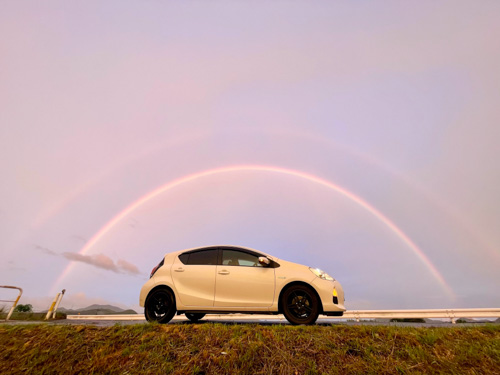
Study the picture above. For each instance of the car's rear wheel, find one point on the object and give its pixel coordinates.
(160, 306)
(194, 317)
(300, 305)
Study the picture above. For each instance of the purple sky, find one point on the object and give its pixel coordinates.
(397, 103)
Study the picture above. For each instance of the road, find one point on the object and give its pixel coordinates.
(236, 319)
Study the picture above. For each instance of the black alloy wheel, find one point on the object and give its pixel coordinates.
(194, 317)
(160, 306)
(300, 305)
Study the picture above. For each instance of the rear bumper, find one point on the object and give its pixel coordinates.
(146, 288)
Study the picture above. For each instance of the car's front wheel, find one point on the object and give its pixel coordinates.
(160, 306)
(300, 305)
(194, 317)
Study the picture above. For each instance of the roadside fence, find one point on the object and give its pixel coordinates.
(14, 301)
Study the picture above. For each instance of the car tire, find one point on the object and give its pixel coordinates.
(160, 306)
(194, 317)
(300, 305)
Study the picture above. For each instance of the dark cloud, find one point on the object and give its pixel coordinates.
(127, 267)
(13, 266)
(104, 262)
(79, 238)
(46, 250)
(97, 260)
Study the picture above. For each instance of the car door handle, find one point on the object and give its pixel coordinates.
(224, 272)
(180, 269)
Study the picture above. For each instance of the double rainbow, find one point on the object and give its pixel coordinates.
(260, 168)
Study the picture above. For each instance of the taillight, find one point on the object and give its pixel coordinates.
(153, 271)
(156, 268)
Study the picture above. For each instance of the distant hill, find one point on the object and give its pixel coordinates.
(97, 310)
(103, 307)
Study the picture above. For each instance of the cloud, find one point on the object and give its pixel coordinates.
(127, 267)
(97, 260)
(104, 262)
(79, 238)
(46, 250)
(13, 266)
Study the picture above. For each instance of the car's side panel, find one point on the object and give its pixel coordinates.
(289, 272)
(238, 286)
(194, 284)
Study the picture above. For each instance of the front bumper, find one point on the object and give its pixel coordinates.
(332, 296)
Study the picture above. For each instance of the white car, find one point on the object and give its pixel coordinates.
(230, 279)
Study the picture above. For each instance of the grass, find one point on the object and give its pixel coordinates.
(31, 316)
(248, 349)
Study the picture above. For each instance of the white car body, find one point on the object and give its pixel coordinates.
(228, 288)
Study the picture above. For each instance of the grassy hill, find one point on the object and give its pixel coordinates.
(97, 310)
(248, 349)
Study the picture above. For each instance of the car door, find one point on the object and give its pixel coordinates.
(241, 281)
(194, 277)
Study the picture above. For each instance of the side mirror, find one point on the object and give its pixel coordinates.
(264, 261)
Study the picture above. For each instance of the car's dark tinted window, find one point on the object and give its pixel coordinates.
(207, 257)
(184, 258)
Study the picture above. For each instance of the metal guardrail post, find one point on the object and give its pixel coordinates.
(451, 315)
(15, 301)
(49, 313)
(58, 302)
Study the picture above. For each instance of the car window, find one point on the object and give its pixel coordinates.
(206, 257)
(184, 258)
(239, 258)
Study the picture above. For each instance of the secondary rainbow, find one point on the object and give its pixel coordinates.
(271, 169)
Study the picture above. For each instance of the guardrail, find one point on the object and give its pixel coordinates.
(452, 314)
(15, 301)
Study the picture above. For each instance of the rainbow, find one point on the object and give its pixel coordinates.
(260, 168)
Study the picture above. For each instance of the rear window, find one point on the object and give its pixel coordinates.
(203, 257)
(184, 258)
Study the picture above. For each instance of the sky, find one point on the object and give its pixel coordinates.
(358, 137)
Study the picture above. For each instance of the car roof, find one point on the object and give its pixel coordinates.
(235, 247)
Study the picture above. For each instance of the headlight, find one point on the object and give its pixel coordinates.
(321, 274)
